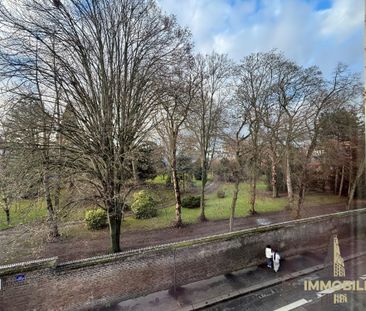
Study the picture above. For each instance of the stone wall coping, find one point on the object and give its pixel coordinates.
(91, 261)
(28, 266)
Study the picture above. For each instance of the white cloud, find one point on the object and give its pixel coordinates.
(306, 35)
(344, 17)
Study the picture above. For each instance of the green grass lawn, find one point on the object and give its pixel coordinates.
(25, 211)
(220, 208)
(158, 180)
(161, 180)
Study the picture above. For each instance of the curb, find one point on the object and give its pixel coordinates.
(254, 288)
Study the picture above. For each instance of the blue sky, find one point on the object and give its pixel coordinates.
(311, 32)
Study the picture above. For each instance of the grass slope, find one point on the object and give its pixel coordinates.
(220, 208)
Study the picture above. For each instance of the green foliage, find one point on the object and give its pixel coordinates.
(184, 164)
(221, 194)
(341, 124)
(144, 206)
(224, 170)
(23, 212)
(126, 207)
(149, 161)
(361, 188)
(280, 178)
(158, 180)
(96, 219)
(197, 170)
(169, 182)
(191, 202)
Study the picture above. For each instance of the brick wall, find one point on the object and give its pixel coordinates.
(49, 285)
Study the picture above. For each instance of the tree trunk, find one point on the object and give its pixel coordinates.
(253, 190)
(52, 219)
(114, 220)
(233, 203)
(360, 171)
(134, 171)
(336, 180)
(300, 201)
(178, 202)
(341, 184)
(7, 212)
(274, 179)
(290, 193)
(175, 180)
(236, 184)
(350, 178)
(202, 216)
(184, 183)
(304, 176)
(57, 194)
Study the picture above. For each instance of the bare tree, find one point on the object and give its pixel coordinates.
(110, 55)
(28, 129)
(28, 83)
(329, 95)
(292, 86)
(7, 189)
(234, 139)
(213, 74)
(178, 94)
(356, 181)
(254, 91)
(272, 135)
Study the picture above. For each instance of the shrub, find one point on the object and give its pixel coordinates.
(168, 182)
(96, 219)
(191, 202)
(221, 194)
(126, 207)
(197, 172)
(144, 205)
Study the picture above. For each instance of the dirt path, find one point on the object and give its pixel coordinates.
(97, 243)
(74, 248)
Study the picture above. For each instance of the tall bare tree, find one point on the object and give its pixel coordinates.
(235, 137)
(213, 74)
(329, 95)
(28, 129)
(253, 92)
(293, 85)
(176, 100)
(110, 55)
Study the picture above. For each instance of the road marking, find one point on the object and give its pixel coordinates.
(363, 277)
(329, 290)
(263, 221)
(293, 305)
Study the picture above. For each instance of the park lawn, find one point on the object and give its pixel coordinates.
(217, 208)
(23, 212)
(158, 180)
(30, 211)
(158, 190)
(161, 180)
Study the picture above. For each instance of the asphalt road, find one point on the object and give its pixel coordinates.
(292, 296)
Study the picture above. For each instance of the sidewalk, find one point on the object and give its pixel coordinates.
(207, 292)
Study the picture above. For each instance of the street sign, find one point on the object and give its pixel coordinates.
(20, 277)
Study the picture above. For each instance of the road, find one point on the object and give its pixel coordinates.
(292, 296)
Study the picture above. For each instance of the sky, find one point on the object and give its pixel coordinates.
(311, 32)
